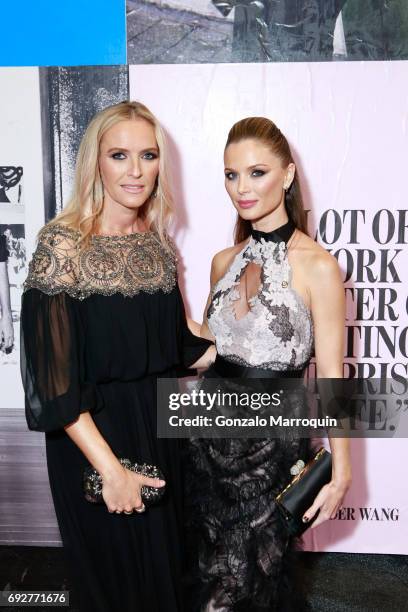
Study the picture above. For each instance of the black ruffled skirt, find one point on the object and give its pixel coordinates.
(240, 555)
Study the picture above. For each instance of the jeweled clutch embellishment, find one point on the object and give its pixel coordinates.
(92, 482)
(297, 467)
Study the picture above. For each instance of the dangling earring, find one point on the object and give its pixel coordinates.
(154, 192)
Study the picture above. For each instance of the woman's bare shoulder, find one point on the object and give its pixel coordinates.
(223, 259)
(313, 259)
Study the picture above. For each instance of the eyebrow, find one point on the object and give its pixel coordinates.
(126, 150)
(251, 167)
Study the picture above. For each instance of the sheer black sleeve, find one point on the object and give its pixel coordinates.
(52, 336)
(4, 254)
(52, 361)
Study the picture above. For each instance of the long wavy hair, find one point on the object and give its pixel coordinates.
(83, 210)
(266, 132)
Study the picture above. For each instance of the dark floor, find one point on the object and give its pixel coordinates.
(332, 582)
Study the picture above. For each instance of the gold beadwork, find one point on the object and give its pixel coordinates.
(110, 264)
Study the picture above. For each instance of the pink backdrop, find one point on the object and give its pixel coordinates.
(347, 124)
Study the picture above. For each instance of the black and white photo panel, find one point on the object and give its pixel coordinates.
(70, 97)
(11, 185)
(220, 31)
(14, 271)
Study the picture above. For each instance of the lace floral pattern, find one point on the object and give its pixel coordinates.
(277, 331)
(244, 547)
(110, 264)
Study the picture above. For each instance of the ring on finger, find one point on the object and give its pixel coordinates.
(141, 509)
(118, 511)
(128, 511)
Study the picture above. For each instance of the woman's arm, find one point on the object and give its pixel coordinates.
(328, 311)
(204, 329)
(219, 266)
(121, 488)
(207, 359)
(203, 332)
(209, 356)
(57, 395)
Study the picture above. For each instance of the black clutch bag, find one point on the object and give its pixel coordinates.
(92, 482)
(300, 493)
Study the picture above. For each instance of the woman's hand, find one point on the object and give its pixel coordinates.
(6, 332)
(122, 491)
(121, 488)
(328, 501)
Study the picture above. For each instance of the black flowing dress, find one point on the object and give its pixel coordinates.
(98, 327)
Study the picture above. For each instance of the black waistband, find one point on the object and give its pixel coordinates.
(229, 369)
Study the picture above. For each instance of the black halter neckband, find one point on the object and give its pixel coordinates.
(280, 234)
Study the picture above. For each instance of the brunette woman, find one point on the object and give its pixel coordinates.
(276, 298)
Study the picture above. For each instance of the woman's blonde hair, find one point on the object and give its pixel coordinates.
(266, 132)
(82, 211)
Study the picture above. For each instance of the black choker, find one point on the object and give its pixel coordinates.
(280, 234)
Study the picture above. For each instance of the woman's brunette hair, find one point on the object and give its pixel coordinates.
(83, 210)
(266, 132)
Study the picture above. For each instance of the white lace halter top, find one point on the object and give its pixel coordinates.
(276, 331)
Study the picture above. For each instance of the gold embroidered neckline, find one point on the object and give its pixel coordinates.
(110, 264)
(115, 237)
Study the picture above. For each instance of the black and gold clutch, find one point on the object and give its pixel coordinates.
(92, 482)
(301, 492)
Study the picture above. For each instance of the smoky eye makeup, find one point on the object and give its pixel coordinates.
(258, 172)
(150, 155)
(121, 154)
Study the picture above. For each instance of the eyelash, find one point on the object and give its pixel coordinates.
(255, 173)
(152, 156)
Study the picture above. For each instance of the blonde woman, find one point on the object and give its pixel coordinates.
(102, 317)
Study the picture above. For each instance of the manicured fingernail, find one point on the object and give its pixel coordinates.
(305, 519)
